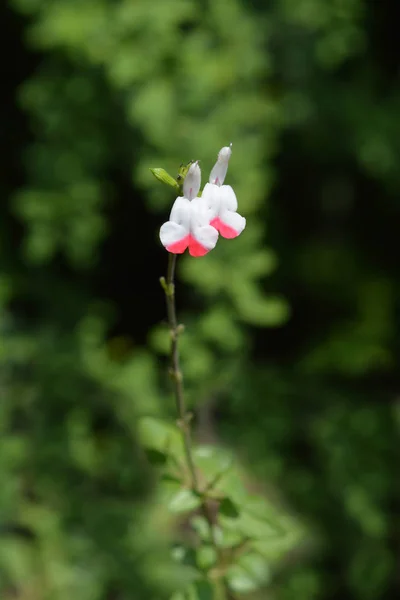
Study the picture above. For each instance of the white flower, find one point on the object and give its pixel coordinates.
(189, 221)
(221, 199)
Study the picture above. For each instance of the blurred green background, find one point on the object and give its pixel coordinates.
(291, 344)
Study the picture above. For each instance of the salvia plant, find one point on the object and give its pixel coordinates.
(227, 538)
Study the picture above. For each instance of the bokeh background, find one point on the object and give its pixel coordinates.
(292, 330)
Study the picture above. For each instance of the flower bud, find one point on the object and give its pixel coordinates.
(191, 185)
(164, 177)
(219, 170)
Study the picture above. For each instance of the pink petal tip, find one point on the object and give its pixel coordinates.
(180, 246)
(225, 230)
(195, 248)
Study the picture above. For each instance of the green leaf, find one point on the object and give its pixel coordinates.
(216, 466)
(255, 528)
(160, 436)
(273, 549)
(249, 573)
(164, 177)
(169, 488)
(184, 555)
(228, 508)
(184, 501)
(254, 519)
(178, 553)
(259, 509)
(213, 460)
(155, 457)
(230, 538)
(201, 527)
(203, 590)
(206, 557)
(200, 590)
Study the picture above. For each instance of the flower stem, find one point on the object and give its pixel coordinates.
(184, 417)
(175, 330)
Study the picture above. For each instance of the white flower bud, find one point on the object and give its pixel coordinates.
(219, 170)
(191, 184)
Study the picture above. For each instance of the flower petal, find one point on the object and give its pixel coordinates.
(180, 212)
(180, 246)
(196, 249)
(203, 210)
(228, 200)
(211, 198)
(229, 224)
(206, 236)
(174, 237)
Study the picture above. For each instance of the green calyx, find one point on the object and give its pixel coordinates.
(164, 177)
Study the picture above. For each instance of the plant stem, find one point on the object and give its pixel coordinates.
(175, 370)
(184, 418)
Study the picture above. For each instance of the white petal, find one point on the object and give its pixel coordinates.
(171, 232)
(231, 220)
(180, 212)
(228, 198)
(192, 182)
(202, 212)
(207, 236)
(211, 197)
(219, 170)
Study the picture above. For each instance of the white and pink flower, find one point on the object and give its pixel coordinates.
(221, 199)
(189, 221)
(195, 222)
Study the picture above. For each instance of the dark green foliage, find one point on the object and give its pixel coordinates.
(291, 337)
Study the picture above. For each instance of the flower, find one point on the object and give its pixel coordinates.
(189, 221)
(221, 199)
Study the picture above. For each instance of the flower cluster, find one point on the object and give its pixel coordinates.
(196, 221)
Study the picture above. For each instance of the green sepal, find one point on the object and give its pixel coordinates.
(164, 177)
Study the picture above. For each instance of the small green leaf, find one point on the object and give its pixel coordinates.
(255, 518)
(164, 177)
(201, 527)
(240, 581)
(200, 590)
(273, 549)
(216, 466)
(155, 457)
(184, 501)
(169, 488)
(228, 508)
(203, 590)
(230, 538)
(159, 435)
(250, 573)
(255, 528)
(178, 553)
(213, 459)
(184, 555)
(257, 508)
(206, 557)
